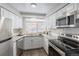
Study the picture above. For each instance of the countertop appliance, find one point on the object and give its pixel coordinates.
(5, 37)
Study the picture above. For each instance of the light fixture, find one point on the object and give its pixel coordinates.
(33, 5)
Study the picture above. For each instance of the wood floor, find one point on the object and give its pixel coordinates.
(34, 52)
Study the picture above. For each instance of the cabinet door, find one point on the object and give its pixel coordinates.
(49, 23)
(70, 9)
(17, 21)
(5, 13)
(77, 5)
(37, 42)
(27, 43)
(61, 17)
(53, 21)
(61, 13)
(20, 43)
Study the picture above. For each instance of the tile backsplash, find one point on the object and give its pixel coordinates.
(71, 30)
(57, 31)
(66, 30)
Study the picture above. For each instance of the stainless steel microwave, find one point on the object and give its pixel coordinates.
(71, 19)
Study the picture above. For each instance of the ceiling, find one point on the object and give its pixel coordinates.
(42, 8)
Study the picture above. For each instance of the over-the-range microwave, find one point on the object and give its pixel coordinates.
(69, 21)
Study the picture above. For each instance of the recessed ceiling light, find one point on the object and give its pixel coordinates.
(33, 5)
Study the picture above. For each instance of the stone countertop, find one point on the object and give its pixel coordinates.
(16, 37)
(50, 36)
(47, 36)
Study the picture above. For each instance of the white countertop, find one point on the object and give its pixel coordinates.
(15, 38)
(50, 36)
(47, 36)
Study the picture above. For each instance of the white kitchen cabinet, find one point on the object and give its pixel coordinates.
(53, 21)
(77, 5)
(6, 14)
(70, 9)
(17, 21)
(27, 43)
(20, 43)
(61, 13)
(49, 23)
(33, 42)
(45, 44)
(37, 42)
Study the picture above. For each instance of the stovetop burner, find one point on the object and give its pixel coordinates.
(74, 36)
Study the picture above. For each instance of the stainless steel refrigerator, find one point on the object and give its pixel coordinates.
(5, 37)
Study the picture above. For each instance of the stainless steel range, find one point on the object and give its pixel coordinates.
(65, 45)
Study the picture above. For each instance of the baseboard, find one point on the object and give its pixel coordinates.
(32, 49)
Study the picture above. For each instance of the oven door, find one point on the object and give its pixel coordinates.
(53, 52)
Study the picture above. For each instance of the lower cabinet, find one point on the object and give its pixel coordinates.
(27, 43)
(33, 42)
(37, 42)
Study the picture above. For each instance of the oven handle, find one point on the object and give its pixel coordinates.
(57, 49)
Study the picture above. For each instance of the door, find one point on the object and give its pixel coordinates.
(33, 42)
(27, 43)
(37, 42)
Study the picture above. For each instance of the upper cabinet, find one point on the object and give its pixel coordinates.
(50, 22)
(71, 14)
(17, 22)
(77, 16)
(53, 21)
(61, 13)
(70, 9)
(61, 18)
(5, 13)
